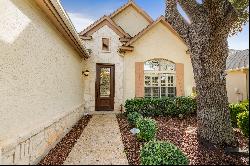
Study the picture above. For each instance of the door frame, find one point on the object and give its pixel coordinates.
(112, 88)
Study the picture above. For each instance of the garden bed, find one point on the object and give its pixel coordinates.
(60, 152)
(182, 133)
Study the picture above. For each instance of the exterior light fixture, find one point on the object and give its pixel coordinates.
(135, 131)
(85, 73)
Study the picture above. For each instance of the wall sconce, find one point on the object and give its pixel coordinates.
(85, 73)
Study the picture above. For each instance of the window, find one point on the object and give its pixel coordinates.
(105, 44)
(160, 78)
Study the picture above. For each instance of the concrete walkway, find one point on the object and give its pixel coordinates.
(99, 144)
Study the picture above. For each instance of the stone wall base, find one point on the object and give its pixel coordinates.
(31, 149)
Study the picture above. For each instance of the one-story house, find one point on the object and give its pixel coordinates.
(50, 75)
(137, 56)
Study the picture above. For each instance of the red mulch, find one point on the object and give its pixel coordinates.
(60, 152)
(182, 133)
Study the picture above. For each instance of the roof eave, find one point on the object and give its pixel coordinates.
(60, 19)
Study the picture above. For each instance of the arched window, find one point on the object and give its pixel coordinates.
(160, 78)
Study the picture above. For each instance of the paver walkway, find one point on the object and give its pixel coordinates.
(99, 144)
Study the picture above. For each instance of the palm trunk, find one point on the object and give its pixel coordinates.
(209, 64)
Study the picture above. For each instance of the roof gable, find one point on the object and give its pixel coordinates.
(105, 20)
(136, 7)
(144, 31)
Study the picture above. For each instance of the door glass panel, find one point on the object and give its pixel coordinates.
(105, 82)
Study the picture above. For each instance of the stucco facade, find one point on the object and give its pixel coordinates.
(237, 86)
(41, 83)
(124, 20)
(158, 42)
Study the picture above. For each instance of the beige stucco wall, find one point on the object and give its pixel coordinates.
(131, 21)
(98, 56)
(159, 42)
(236, 79)
(40, 73)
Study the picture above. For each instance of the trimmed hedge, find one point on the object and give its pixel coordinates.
(236, 109)
(243, 122)
(162, 153)
(162, 106)
(148, 128)
(133, 117)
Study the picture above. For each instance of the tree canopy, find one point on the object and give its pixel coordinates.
(242, 8)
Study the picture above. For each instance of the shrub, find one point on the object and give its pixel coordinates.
(246, 104)
(164, 106)
(243, 122)
(235, 109)
(162, 153)
(133, 117)
(245, 101)
(147, 127)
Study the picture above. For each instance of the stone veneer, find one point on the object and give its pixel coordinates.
(31, 148)
(98, 56)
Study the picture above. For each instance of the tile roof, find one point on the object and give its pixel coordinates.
(238, 59)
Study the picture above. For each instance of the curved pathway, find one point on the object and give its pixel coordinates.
(99, 144)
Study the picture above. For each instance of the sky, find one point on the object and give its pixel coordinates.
(84, 12)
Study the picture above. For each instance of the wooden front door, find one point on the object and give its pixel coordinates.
(105, 87)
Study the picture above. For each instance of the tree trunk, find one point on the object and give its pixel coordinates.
(209, 53)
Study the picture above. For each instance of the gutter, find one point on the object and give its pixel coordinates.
(237, 69)
(61, 20)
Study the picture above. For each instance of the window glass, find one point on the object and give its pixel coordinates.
(160, 78)
(105, 44)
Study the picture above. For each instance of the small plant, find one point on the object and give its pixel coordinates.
(162, 153)
(243, 122)
(147, 127)
(235, 109)
(133, 117)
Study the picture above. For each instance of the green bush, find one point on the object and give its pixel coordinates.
(162, 153)
(147, 127)
(133, 117)
(246, 104)
(163, 106)
(243, 122)
(235, 109)
(245, 101)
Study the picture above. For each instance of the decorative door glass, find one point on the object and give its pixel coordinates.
(105, 76)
